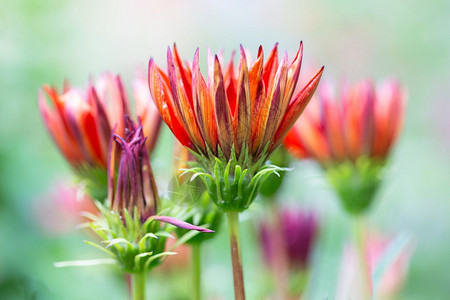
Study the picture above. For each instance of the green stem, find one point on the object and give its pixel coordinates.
(196, 271)
(238, 278)
(363, 263)
(138, 286)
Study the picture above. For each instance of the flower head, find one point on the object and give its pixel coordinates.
(233, 121)
(247, 111)
(81, 122)
(361, 121)
(351, 136)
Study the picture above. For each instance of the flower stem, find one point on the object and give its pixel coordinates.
(196, 271)
(138, 282)
(238, 278)
(363, 263)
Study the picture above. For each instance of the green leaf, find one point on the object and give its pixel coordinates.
(109, 252)
(149, 261)
(85, 263)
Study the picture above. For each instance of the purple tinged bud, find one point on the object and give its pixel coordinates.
(132, 185)
(297, 231)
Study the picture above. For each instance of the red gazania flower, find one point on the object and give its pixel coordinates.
(81, 122)
(361, 121)
(146, 111)
(248, 110)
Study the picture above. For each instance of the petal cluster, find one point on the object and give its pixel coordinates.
(243, 111)
(134, 185)
(362, 120)
(81, 121)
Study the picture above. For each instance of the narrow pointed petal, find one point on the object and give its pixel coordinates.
(103, 125)
(255, 77)
(271, 66)
(294, 73)
(230, 85)
(333, 127)
(184, 73)
(222, 111)
(180, 224)
(58, 132)
(275, 106)
(242, 120)
(182, 104)
(162, 97)
(203, 106)
(147, 112)
(296, 107)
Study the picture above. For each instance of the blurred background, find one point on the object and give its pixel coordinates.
(50, 41)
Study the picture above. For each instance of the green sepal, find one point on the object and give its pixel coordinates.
(271, 183)
(135, 247)
(356, 183)
(233, 184)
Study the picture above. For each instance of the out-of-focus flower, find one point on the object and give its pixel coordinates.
(60, 210)
(146, 111)
(351, 135)
(392, 279)
(81, 122)
(236, 118)
(287, 243)
(361, 121)
(298, 230)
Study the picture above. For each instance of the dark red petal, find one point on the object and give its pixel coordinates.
(222, 111)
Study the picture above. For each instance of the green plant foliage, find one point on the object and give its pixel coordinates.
(232, 184)
(356, 183)
(136, 247)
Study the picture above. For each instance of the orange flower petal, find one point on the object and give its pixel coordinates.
(203, 106)
(161, 95)
(242, 121)
(295, 108)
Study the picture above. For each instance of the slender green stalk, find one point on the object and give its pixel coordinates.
(238, 278)
(196, 271)
(138, 286)
(363, 263)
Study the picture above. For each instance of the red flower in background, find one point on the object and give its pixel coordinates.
(81, 121)
(248, 110)
(360, 121)
(146, 111)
